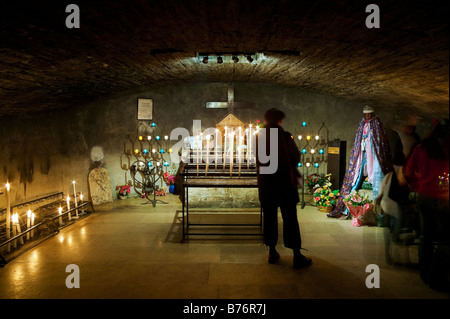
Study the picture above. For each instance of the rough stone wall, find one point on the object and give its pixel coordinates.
(44, 153)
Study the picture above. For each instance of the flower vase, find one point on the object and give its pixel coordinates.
(171, 188)
(123, 196)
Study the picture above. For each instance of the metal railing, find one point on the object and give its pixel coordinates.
(53, 227)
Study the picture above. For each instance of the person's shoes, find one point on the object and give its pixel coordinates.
(273, 258)
(301, 261)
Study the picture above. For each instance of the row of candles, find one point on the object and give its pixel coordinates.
(146, 151)
(13, 220)
(229, 141)
(240, 148)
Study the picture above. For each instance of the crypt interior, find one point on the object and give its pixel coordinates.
(85, 110)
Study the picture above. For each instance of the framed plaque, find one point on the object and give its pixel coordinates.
(145, 109)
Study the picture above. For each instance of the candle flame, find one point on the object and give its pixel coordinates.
(15, 218)
(60, 210)
(29, 213)
(8, 186)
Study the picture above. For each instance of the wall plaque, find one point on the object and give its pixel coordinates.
(145, 109)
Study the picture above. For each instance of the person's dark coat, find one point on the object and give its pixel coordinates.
(279, 187)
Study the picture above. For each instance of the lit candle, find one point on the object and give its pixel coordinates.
(198, 150)
(19, 231)
(28, 223)
(254, 155)
(246, 155)
(215, 148)
(249, 151)
(60, 215)
(224, 147)
(68, 206)
(198, 153)
(239, 148)
(231, 151)
(201, 147)
(8, 213)
(75, 199)
(207, 153)
(32, 224)
(14, 218)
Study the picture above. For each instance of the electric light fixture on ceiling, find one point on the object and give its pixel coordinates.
(226, 58)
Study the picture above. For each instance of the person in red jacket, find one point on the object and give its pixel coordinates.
(426, 172)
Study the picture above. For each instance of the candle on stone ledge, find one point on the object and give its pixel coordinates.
(239, 145)
(75, 199)
(201, 147)
(250, 143)
(60, 215)
(224, 147)
(32, 224)
(19, 230)
(198, 153)
(28, 223)
(207, 153)
(68, 206)
(14, 218)
(8, 213)
(231, 152)
(215, 148)
(253, 156)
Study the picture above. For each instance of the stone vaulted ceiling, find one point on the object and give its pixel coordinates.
(315, 44)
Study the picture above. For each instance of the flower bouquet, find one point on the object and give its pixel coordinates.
(170, 179)
(325, 198)
(123, 190)
(315, 181)
(358, 205)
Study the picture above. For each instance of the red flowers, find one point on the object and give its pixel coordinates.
(170, 179)
(123, 190)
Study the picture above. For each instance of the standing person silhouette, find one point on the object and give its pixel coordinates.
(426, 172)
(279, 189)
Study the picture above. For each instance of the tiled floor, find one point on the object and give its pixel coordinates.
(129, 250)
